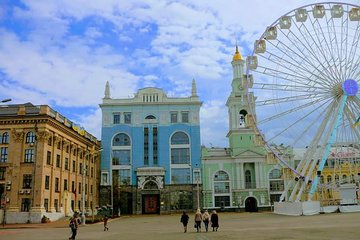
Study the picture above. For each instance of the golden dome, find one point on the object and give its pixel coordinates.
(237, 56)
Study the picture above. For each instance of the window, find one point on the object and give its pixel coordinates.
(275, 182)
(155, 146)
(150, 117)
(25, 204)
(92, 172)
(65, 185)
(121, 139)
(79, 188)
(275, 174)
(180, 138)
(86, 188)
(180, 156)
(104, 178)
(173, 117)
(56, 184)
(146, 146)
(116, 118)
(66, 164)
(185, 117)
(344, 179)
(67, 149)
(46, 204)
(30, 137)
(121, 157)
(50, 141)
(248, 180)
(48, 158)
(29, 155)
(2, 173)
(58, 161)
(180, 149)
(4, 155)
(59, 145)
(321, 179)
(222, 201)
(74, 166)
(277, 185)
(329, 178)
(127, 117)
(27, 179)
(91, 189)
(5, 138)
(80, 168)
(180, 176)
(47, 182)
(122, 176)
(73, 186)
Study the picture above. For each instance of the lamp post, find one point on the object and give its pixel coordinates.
(197, 176)
(83, 196)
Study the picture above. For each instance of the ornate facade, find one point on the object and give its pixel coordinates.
(43, 160)
(151, 152)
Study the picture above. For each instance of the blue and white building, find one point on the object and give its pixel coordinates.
(150, 152)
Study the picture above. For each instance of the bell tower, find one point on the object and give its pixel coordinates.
(241, 132)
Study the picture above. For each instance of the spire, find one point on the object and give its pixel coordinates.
(107, 90)
(237, 56)
(193, 89)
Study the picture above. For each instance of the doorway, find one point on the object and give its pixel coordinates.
(251, 204)
(151, 203)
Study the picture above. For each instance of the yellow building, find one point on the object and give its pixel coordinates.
(43, 160)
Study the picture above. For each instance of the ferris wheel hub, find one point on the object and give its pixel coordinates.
(350, 87)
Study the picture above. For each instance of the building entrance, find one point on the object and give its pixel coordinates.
(251, 204)
(151, 203)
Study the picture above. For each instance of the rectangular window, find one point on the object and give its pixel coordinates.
(91, 189)
(124, 177)
(59, 145)
(27, 178)
(58, 161)
(74, 166)
(56, 184)
(72, 186)
(277, 185)
(180, 156)
(25, 204)
(46, 204)
(221, 187)
(185, 117)
(29, 155)
(180, 176)
(173, 117)
(2, 173)
(155, 146)
(127, 117)
(47, 182)
(4, 155)
(121, 157)
(80, 169)
(146, 146)
(66, 164)
(50, 141)
(79, 188)
(116, 118)
(65, 185)
(85, 189)
(48, 158)
(104, 178)
(222, 201)
(92, 172)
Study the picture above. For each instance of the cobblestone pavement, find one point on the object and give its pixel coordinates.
(257, 226)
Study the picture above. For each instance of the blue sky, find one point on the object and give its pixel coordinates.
(61, 53)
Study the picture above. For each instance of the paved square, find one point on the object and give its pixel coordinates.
(232, 226)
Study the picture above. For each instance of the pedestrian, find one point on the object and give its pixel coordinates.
(106, 219)
(206, 219)
(73, 226)
(184, 219)
(198, 219)
(214, 220)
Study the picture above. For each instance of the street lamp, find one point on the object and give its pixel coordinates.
(6, 100)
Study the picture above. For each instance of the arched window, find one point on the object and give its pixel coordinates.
(150, 117)
(121, 139)
(179, 138)
(121, 150)
(5, 138)
(222, 189)
(30, 137)
(180, 148)
(329, 178)
(275, 174)
(344, 178)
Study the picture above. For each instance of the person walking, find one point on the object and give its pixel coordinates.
(198, 219)
(184, 220)
(214, 220)
(206, 219)
(74, 223)
(106, 219)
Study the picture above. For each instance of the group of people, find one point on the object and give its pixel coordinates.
(75, 221)
(205, 217)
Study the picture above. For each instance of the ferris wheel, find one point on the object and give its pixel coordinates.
(304, 77)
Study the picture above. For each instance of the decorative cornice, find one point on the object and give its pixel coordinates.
(42, 136)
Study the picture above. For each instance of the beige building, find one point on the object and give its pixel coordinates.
(42, 164)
